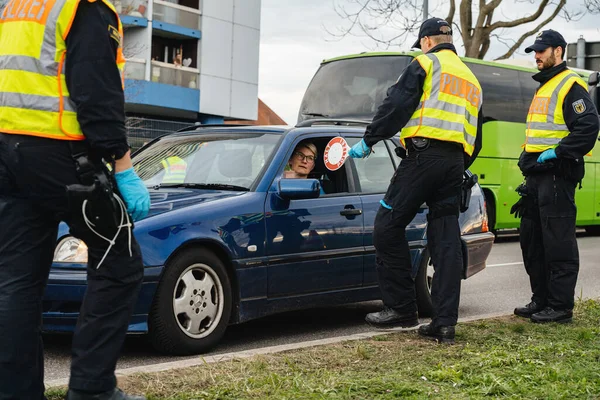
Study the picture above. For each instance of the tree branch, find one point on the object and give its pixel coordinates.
(532, 17)
(451, 12)
(520, 41)
(592, 6)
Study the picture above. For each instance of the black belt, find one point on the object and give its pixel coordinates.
(422, 144)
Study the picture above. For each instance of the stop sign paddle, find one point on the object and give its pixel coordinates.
(336, 153)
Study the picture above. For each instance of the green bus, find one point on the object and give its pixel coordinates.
(352, 87)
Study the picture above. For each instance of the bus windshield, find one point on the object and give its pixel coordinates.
(351, 88)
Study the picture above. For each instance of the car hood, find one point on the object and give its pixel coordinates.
(164, 200)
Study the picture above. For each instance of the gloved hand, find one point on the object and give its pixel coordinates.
(384, 204)
(547, 155)
(134, 193)
(360, 150)
(518, 208)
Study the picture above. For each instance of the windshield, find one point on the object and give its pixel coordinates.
(224, 161)
(351, 88)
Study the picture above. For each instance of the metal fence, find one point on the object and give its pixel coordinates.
(142, 130)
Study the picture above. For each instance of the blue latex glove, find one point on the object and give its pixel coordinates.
(360, 150)
(546, 155)
(134, 193)
(385, 205)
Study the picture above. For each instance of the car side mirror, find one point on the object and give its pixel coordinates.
(298, 188)
(593, 79)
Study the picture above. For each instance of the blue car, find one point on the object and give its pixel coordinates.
(228, 239)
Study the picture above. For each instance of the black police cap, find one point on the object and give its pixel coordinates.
(545, 39)
(433, 27)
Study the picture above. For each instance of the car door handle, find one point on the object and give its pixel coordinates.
(350, 211)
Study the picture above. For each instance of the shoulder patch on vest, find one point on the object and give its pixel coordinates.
(114, 33)
(579, 106)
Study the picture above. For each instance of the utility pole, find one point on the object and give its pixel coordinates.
(425, 9)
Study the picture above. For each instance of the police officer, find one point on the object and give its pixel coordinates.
(436, 104)
(61, 119)
(562, 127)
(175, 168)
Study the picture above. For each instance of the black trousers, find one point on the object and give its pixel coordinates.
(33, 175)
(432, 176)
(548, 240)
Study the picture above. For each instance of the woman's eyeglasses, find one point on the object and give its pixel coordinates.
(300, 156)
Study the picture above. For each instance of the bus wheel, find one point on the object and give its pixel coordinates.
(593, 230)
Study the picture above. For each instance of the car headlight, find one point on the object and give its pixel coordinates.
(71, 249)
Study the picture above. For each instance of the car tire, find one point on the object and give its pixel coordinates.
(423, 286)
(192, 305)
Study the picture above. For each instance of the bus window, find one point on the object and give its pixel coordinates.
(502, 98)
(351, 88)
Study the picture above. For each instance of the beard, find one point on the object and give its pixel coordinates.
(549, 63)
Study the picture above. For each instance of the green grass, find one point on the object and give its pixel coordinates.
(508, 358)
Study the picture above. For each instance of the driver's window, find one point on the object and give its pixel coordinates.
(302, 165)
(375, 171)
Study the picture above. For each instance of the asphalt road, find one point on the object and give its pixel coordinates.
(499, 288)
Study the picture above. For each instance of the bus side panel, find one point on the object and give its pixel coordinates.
(597, 195)
(496, 166)
(587, 198)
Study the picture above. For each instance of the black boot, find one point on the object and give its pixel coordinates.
(442, 334)
(390, 318)
(551, 315)
(115, 394)
(528, 310)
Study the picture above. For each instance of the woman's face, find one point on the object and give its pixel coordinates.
(302, 161)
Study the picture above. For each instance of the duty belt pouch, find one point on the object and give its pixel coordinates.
(420, 143)
(101, 208)
(465, 191)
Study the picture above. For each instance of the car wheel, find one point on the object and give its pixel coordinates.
(192, 305)
(423, 286)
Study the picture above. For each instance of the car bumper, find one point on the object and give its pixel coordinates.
(476, 249)
(64, 295)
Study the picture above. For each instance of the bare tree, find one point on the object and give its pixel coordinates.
(477, 22)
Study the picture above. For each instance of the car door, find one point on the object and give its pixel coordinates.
(373, 175)
(314, 245)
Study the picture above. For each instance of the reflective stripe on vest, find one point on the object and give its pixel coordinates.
(175, 169)
(450, 103)
(34, 98)
(545, 120)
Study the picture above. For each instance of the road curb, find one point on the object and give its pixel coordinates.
(200, 360)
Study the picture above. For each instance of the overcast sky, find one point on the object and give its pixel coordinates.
(294, 42)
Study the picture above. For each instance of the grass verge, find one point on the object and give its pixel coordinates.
(500, 358)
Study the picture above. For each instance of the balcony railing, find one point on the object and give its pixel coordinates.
(175, 14)
(133, 8)
(135, 68)
(172, 75)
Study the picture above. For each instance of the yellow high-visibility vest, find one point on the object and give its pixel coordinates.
(34, 99)
(449, 106)
(175, 169)
(545, 120)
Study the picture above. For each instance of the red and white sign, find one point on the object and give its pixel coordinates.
(336, 153)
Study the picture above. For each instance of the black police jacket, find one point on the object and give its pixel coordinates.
(583, 127)
(401, 102)
(94, 80)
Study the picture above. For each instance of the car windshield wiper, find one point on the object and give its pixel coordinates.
(312, 114)
(216, 186)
